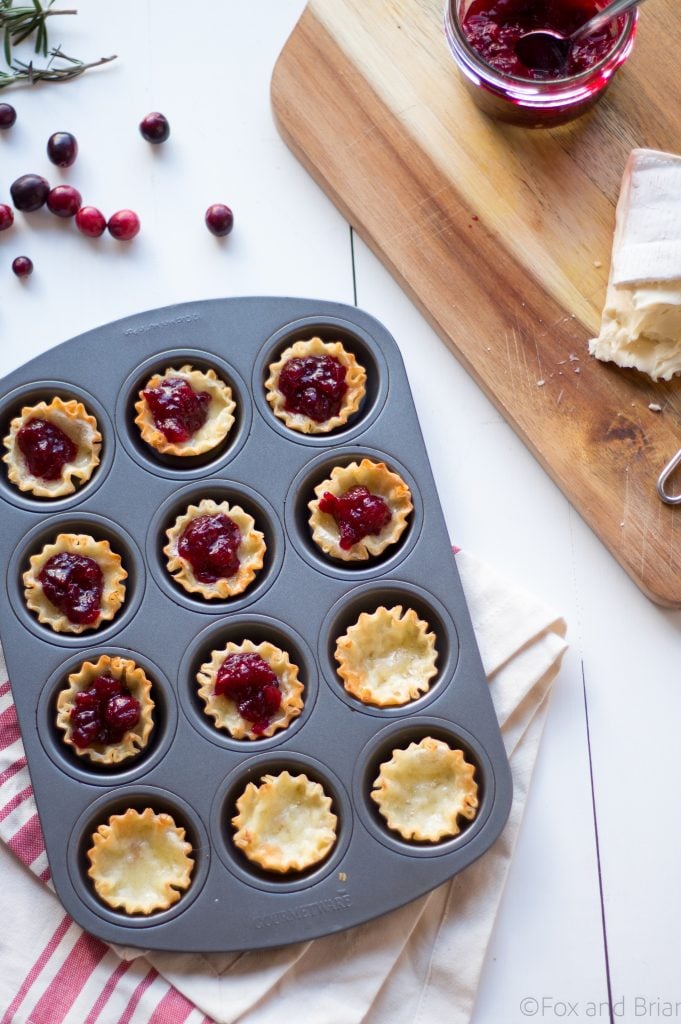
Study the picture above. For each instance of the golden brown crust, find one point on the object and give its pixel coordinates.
(251, 551)
(285, 823)
(79, 426)
(113, 593)
(379, 480)
(424, 790)
(220, 413)
(136, 681)
(355, 380)
(224, 711)
(139, 861)
(387, 658)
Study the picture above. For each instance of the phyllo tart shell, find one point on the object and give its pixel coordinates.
(355, 382)
(388, 657)
(113, 593)
(73, 419)
(251, 551)
(140, 861)
(224, 711)
(425, 789)
(285, 823)
(136, 681)
(218, 423)
(378, 480)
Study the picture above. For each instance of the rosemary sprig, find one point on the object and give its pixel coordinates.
(19, 23)
(29, 73)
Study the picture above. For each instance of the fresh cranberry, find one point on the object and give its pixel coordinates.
(249, 681)
(103, 713)
(22, 266)
(124, 225)
(6, 216)
(46, 449)
(90, 221)
(210, 544)
(177, 410)
(62, 149)
(313, 386)
(64, 201)
(74, 584)
(29, 192)
(155, 128)
(8, 115)
(358, 513)
(219, 219)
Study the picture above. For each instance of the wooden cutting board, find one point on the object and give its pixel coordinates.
(502, 237)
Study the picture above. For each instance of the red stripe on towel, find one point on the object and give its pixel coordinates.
(36, 969)
(69, 981)
(28, 842)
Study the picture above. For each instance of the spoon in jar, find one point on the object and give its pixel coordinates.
(547, 50)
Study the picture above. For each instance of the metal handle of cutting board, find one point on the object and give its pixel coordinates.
(669, 499)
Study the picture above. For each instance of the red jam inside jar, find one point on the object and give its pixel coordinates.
(103, 713)
(210, 544)
(249, 681)
(358, 514)
(74, 584)
(46, 449)
(177, 410)
(313, 386)
(493, 28)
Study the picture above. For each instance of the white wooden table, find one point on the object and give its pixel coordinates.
(591, 911)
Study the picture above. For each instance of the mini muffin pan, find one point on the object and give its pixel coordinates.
(300, 601)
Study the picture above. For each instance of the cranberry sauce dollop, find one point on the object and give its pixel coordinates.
(46, 449)
(249, 681)
(73, 584)
(313, 386)
(210, 545)
(177, 410)
(103, 713)
(493, 28)
(357, 512)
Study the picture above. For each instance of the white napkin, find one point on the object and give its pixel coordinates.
(419, 963)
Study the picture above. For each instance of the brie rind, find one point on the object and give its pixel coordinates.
(641, 324)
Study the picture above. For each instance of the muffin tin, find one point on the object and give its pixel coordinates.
(300, 601)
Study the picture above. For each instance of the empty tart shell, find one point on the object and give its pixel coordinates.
(139, 686)
(219, 421)
(285, 823)
(73, 419)
(140, 861)
(377, 479)
(424, 790)
(387, 658)
(113, 592)
(224, 711)
(251, 551)
(355, 382)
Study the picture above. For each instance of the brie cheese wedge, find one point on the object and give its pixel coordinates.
(641, 323)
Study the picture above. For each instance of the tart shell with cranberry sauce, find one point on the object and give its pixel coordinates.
(335, 408)
(133, 680)
(75, 584)
(196, 420)
(384, 495)
(234, 543)
(224, 707)
(52, 447)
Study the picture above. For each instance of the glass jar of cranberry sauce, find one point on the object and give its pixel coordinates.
(482, 36)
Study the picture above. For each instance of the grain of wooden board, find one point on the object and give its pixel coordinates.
(502, 237)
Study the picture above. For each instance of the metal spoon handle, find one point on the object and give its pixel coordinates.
(603, 17)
